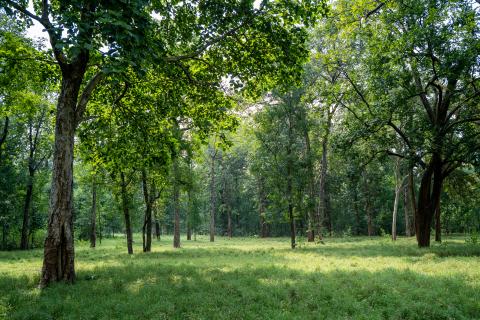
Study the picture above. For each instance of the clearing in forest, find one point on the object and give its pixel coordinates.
(251, 278)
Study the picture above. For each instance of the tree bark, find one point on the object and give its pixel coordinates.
(3, 138)
(311, 188)
(126, 214)
(157, 229)
(261, 209)
(438, 222)
(93, 219)
(428, 200)
(290, 183)
(398, 187)
(147, 223)
(59, 254)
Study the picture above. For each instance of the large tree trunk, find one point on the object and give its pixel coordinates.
(59, 254)
(93, 219)
(126, 214)
(428, 200)
(3, 138)
(26, 210)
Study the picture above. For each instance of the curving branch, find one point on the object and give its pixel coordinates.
(86, 94)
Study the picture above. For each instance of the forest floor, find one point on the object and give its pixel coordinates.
(250, 278)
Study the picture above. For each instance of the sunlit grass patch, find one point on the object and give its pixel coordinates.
(250, 278)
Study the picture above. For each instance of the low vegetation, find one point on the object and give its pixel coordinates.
(251, 278)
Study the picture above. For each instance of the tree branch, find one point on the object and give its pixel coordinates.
(86, 94)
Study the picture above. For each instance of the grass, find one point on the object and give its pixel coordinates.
(248, 278)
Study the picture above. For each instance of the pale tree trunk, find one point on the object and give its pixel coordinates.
(398, 187)
(126, 213)
(26, 210)
(311, 188)
(93, 231)
(406, 210)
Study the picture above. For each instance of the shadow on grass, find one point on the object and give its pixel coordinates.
(147, 289)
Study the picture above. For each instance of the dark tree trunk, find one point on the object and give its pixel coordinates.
(157, 229)
(229, 222)
(93, 219)
(413, 205)
(26, 210)
(59, 254)
(3, 138)
(126, 214)
(428, 200)
(356, 211)
(147, 224)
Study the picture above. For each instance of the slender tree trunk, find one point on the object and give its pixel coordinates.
(59, 254)
(157, 229)
(147, 224)
(26, 210)
(356, 211)
(406, 210)
(3, 138)
(290, 183)
(323, 212)
(93, 229)
(413, 205)
(213, 196)
(188, 217)
(261, 209)
(126, 214)
(398, 187)
(311, 189)
(176, 205)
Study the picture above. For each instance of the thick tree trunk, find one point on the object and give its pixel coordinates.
(126, 214)
(26, 210)
(93, 219)
(3, 138)
(59, 254)
(428, 200)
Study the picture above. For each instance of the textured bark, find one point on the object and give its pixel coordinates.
(59, 254)
(93, 217)
(428, 200)
(126, 213)
(398, 188)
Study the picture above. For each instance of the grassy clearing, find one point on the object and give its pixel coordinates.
(246, 278)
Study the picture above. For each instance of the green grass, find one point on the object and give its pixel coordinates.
(247, 278)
